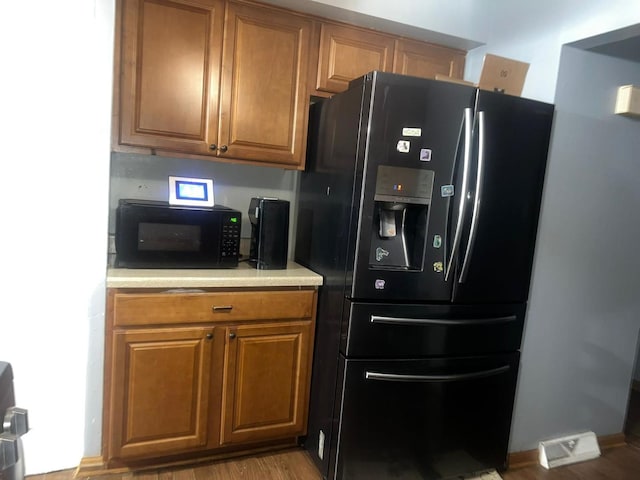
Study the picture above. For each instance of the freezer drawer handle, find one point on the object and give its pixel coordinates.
(397, 377)
(441, 321)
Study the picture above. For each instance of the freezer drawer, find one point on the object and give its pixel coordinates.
(423, 419)
(385, 330)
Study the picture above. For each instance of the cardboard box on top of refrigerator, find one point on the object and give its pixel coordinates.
(503, 75)
(498, 74)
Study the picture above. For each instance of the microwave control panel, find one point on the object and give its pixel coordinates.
(230, 245)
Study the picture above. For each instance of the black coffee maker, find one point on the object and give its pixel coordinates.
(269, 233)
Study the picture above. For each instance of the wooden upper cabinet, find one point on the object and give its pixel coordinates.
(170, 66)
(266, 381)
(160, 387)
(426, 60)
(347, 53)
(230, 79)
(195, 82)
(264, 95)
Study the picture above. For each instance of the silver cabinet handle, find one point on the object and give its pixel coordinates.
(222, 308)
(16, 421)
(441, 321)
(463, 192)
(473, 231)
(397, 377)
(9, 454)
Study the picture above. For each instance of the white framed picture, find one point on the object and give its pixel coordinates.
(193, 192)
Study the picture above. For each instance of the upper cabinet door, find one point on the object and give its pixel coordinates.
(171, 53)
(263, 105)
(426, 60)
(347, 53)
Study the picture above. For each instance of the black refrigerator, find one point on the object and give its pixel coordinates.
(419, 207)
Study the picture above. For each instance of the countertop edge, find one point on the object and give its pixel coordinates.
(244, 276)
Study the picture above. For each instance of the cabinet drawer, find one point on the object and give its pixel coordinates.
(168, 308)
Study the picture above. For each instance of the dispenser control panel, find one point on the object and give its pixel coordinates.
(404, 185)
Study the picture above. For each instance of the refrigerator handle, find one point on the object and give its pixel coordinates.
(463, 190)
(399, 377)
(451, 322)
(473, 231)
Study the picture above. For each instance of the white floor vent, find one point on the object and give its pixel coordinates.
(569, 449)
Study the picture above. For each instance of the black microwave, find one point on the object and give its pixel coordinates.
(152, 234)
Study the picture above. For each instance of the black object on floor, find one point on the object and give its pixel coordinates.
(14, 425)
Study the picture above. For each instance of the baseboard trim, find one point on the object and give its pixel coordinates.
(530, 457)
(90, 466)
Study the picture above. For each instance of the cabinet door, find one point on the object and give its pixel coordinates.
(347, 53)
(159, 391)
(264, 98)
(426, 60)
(266, 379)
(171, 52)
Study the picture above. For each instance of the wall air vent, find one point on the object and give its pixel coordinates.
(570, 449)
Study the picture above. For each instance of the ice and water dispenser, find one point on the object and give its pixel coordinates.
(401, 201)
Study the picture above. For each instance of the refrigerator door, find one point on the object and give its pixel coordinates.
(511, 138)
(424, 419)
(414, 137)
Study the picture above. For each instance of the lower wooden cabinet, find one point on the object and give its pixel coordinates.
(265, 381)
(159, 391)
(206, 383)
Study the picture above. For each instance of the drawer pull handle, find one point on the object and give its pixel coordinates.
(232, 335)
(222, 308)
(209, 336)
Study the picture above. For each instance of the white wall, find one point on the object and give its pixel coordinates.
(584, 309)
(534, 32)
(55, 95)
(55, 109)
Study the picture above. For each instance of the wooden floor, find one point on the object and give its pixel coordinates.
(620, 463)
(293, 464)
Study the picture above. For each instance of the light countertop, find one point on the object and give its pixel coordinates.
(243, 276)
